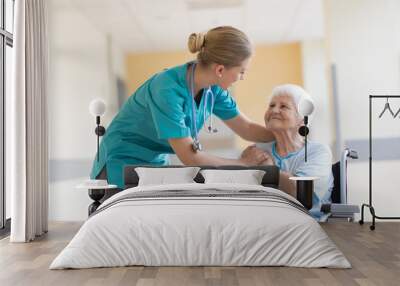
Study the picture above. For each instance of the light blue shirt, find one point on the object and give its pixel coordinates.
(319, 164)
(160, 109)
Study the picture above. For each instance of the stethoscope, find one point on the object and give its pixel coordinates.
(196, 146)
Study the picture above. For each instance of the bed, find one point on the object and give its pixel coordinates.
(199, 224)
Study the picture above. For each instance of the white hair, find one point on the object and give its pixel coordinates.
(296, 92)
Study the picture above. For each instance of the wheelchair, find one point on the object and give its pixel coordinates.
(339, 208)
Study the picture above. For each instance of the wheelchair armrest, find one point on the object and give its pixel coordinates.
(352, 154)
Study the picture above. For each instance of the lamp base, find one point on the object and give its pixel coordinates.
(96, 195)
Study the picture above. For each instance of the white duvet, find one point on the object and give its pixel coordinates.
(187, 231)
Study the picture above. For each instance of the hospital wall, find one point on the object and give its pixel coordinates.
(364, 45)
(84, 64)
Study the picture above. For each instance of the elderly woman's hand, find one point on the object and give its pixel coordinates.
(269, 160)
(252, 156)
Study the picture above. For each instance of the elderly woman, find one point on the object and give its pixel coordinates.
(287, 151)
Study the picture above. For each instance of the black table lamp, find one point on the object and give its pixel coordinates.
(97, 108)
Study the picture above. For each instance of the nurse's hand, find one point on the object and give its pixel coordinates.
(253, 156)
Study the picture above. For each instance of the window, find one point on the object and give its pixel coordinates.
(6, 44)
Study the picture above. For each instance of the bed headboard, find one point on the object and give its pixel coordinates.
(270, 179)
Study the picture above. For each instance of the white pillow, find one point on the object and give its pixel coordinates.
(163, 176)
(249, 177)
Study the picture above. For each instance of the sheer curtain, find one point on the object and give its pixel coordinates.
(27, 151)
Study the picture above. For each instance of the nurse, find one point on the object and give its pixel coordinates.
(165, 114)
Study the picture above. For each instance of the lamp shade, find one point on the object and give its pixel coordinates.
(97, 107)
(306, 106)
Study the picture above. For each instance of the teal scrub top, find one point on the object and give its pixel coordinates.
(160, 109)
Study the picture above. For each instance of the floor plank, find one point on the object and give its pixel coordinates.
(374, 255)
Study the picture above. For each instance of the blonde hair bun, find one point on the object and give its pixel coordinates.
(196, 42)
(223, 45)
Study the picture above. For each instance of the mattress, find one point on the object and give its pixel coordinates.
(201, 225)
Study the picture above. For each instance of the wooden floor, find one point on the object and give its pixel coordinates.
(374, 255)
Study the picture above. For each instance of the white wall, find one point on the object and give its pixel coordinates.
(83, 66)
(364, 43)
